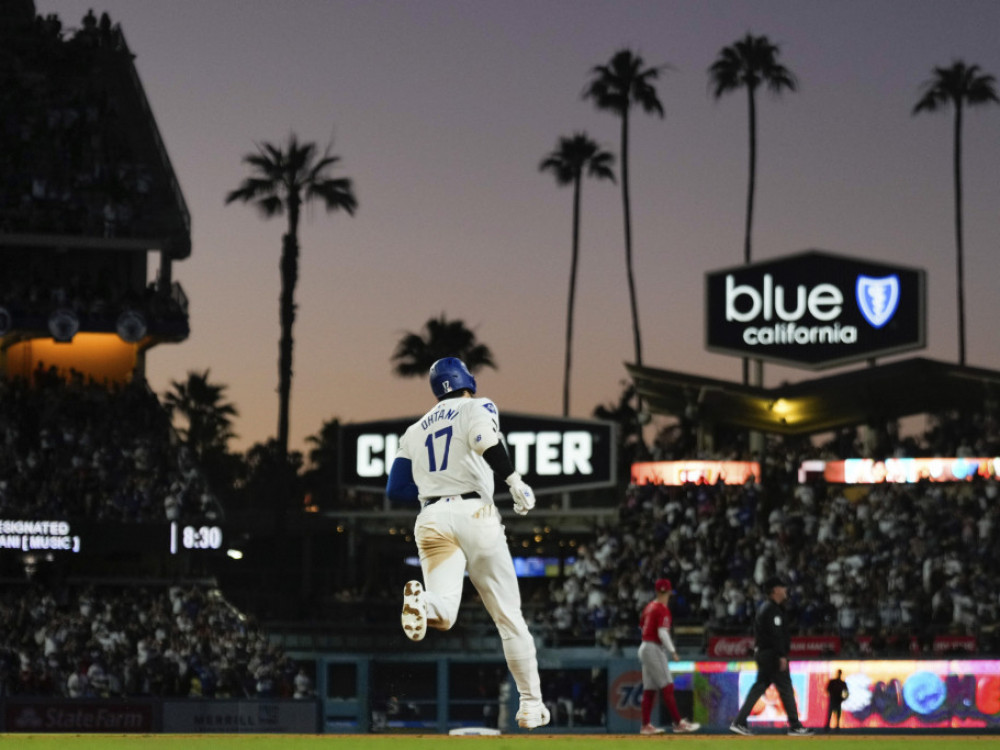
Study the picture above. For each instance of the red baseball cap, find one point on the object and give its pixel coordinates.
(663, 584)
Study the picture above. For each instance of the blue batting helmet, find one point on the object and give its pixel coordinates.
(450, 374)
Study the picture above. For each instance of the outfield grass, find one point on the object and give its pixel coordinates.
(511, 742)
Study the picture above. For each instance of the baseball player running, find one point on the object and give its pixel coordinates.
(446, 461)
(656, 644)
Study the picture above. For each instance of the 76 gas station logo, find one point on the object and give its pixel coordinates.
(626, 695)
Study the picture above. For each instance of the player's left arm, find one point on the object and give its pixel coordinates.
(486, 440)
(664, 633)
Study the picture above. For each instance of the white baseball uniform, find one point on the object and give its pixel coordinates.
(458, 528)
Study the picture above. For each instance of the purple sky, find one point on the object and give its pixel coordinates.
(441, 111)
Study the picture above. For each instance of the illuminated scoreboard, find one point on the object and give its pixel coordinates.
(91, 538)
(28, 535)
(190, 537)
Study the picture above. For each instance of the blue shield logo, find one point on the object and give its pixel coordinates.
(878, 298)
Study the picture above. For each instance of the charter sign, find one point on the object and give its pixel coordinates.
(552, 454)
(815, 310)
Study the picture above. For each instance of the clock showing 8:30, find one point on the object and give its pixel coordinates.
(194, 537)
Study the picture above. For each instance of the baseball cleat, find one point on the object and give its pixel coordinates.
(532, 715)
(414, 617)
(801, 731)
(683, 726)
(648, 729)
(740, 729)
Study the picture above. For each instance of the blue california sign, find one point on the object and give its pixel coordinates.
(815, 309)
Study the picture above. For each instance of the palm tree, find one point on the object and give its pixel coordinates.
(281, 181)
(748, 63)
(615, 88)
(272, 472)
(568, 162)
(959, 85)
(208, 418)
(631, 447)
(415, 352)
(321, 478)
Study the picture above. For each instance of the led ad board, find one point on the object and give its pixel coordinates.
(896, 694)
(699, 472)
(552, 454)
(815, 310)
(884, 694)
(900, 470)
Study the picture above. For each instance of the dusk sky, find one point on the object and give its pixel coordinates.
(441, 111)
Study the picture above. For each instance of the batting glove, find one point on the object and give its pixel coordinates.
(524, 498)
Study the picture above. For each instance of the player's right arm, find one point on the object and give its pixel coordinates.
(401, 487)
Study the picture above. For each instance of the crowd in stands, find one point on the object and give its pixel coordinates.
(72, 450)
(99, 641)
(884, 562)
(68, 165)
(95, 294)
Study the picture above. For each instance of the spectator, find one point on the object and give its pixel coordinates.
(303, 685)
(89, 451)
(125, 641)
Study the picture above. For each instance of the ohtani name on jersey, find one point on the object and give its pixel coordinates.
(437, 416)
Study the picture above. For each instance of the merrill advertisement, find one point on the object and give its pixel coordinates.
(254, 717)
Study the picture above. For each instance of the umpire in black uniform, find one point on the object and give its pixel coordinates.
(772, 644)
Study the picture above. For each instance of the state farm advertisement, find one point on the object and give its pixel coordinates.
(77, 716)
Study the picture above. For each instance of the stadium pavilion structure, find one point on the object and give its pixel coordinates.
(867, 396)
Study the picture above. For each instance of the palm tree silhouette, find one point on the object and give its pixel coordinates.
(748, 63)
(568, 162)
(615, 88)
(959, 85)
(208, 418)
(415, 352)
(321, 478)
(281, 181)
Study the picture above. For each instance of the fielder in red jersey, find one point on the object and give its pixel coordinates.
(655, 622)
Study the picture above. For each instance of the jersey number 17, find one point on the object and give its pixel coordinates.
(430, 441)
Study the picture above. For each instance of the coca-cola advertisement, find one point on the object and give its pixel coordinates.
(731, 647)
(741, 646)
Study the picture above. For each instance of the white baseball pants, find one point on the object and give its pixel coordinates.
(454, 535)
